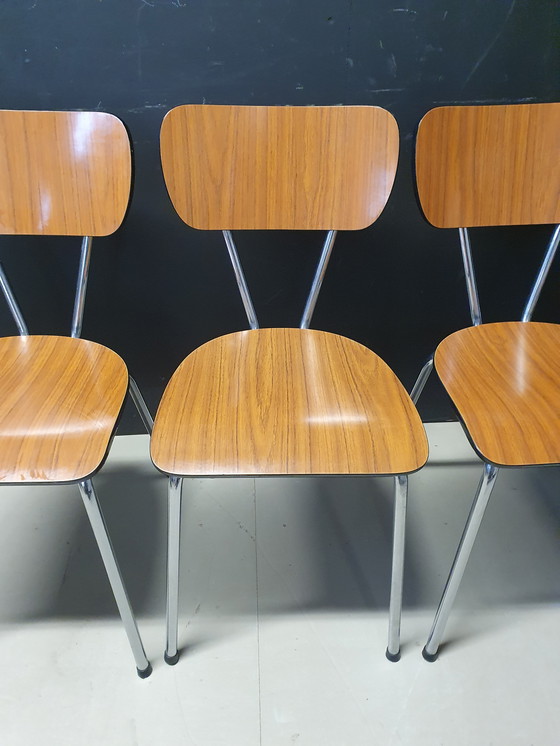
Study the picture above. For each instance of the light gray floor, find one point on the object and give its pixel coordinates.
(283, 611)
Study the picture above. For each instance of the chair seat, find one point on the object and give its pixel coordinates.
(286, 401)
(59, 402)
(504, 379)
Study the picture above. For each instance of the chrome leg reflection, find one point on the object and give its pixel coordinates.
(397, 572)
(422, 380)
(485, 487)
(173, 554)
(140, 404)
(97, 521)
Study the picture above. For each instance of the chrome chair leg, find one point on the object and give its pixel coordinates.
(393, 652)
(140, 404)
(485, 487)
(173, 553)
(97, 521)
(422, 379)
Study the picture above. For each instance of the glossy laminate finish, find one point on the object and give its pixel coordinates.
(286, 401)
(63, 173)
(489, 165)
(279, 167)
(59, 403)
(505, 382)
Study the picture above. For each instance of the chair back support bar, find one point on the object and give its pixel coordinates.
(241, 281)
(279, 167)
(540, 279)
(63, 173)
(489, 165)
(318, 280)
(81, 287)
(470, 277)
(13, 305)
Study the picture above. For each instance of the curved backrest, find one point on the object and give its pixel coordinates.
(63, 173)
(279, 167)
(489, 165)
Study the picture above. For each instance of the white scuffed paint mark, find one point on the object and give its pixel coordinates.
(488, 49)
(146, 107)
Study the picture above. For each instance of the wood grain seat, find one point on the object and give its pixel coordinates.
(504, 379)
(286, 401)
(59, 403)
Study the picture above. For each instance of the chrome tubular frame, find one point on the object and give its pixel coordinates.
(397, 572)
(313, 293)
(81, 287)
(97, 521)
(474, 305)
(470, 279)
(318, 280)
(12, 303)
(485, 487)
(140, 404)
(422, 379)
(541, 277)
(241, 281)
(173, 556)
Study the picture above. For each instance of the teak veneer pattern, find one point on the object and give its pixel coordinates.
(286, 401)
(489, 165)
(504, 379)
(277, 167)
(59, 402)
(63, 173)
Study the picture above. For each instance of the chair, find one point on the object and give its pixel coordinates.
(63, 173)
(482, 166)
(282, 401)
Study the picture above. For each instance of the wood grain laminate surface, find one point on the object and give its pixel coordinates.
(505, 382)
(63, 173)
(286, 401)
(279, 167)
(489, 165)
(59, 403)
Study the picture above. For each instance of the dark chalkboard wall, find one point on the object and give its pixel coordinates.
(158, 288)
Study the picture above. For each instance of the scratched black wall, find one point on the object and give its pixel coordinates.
(158, 289)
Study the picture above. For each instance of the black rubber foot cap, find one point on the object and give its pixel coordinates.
(430, 657)
(393, 657)
(145, 672)
(171, 660)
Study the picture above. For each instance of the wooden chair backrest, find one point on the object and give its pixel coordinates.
(63, 173)
(489, 165)
(279, 167)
